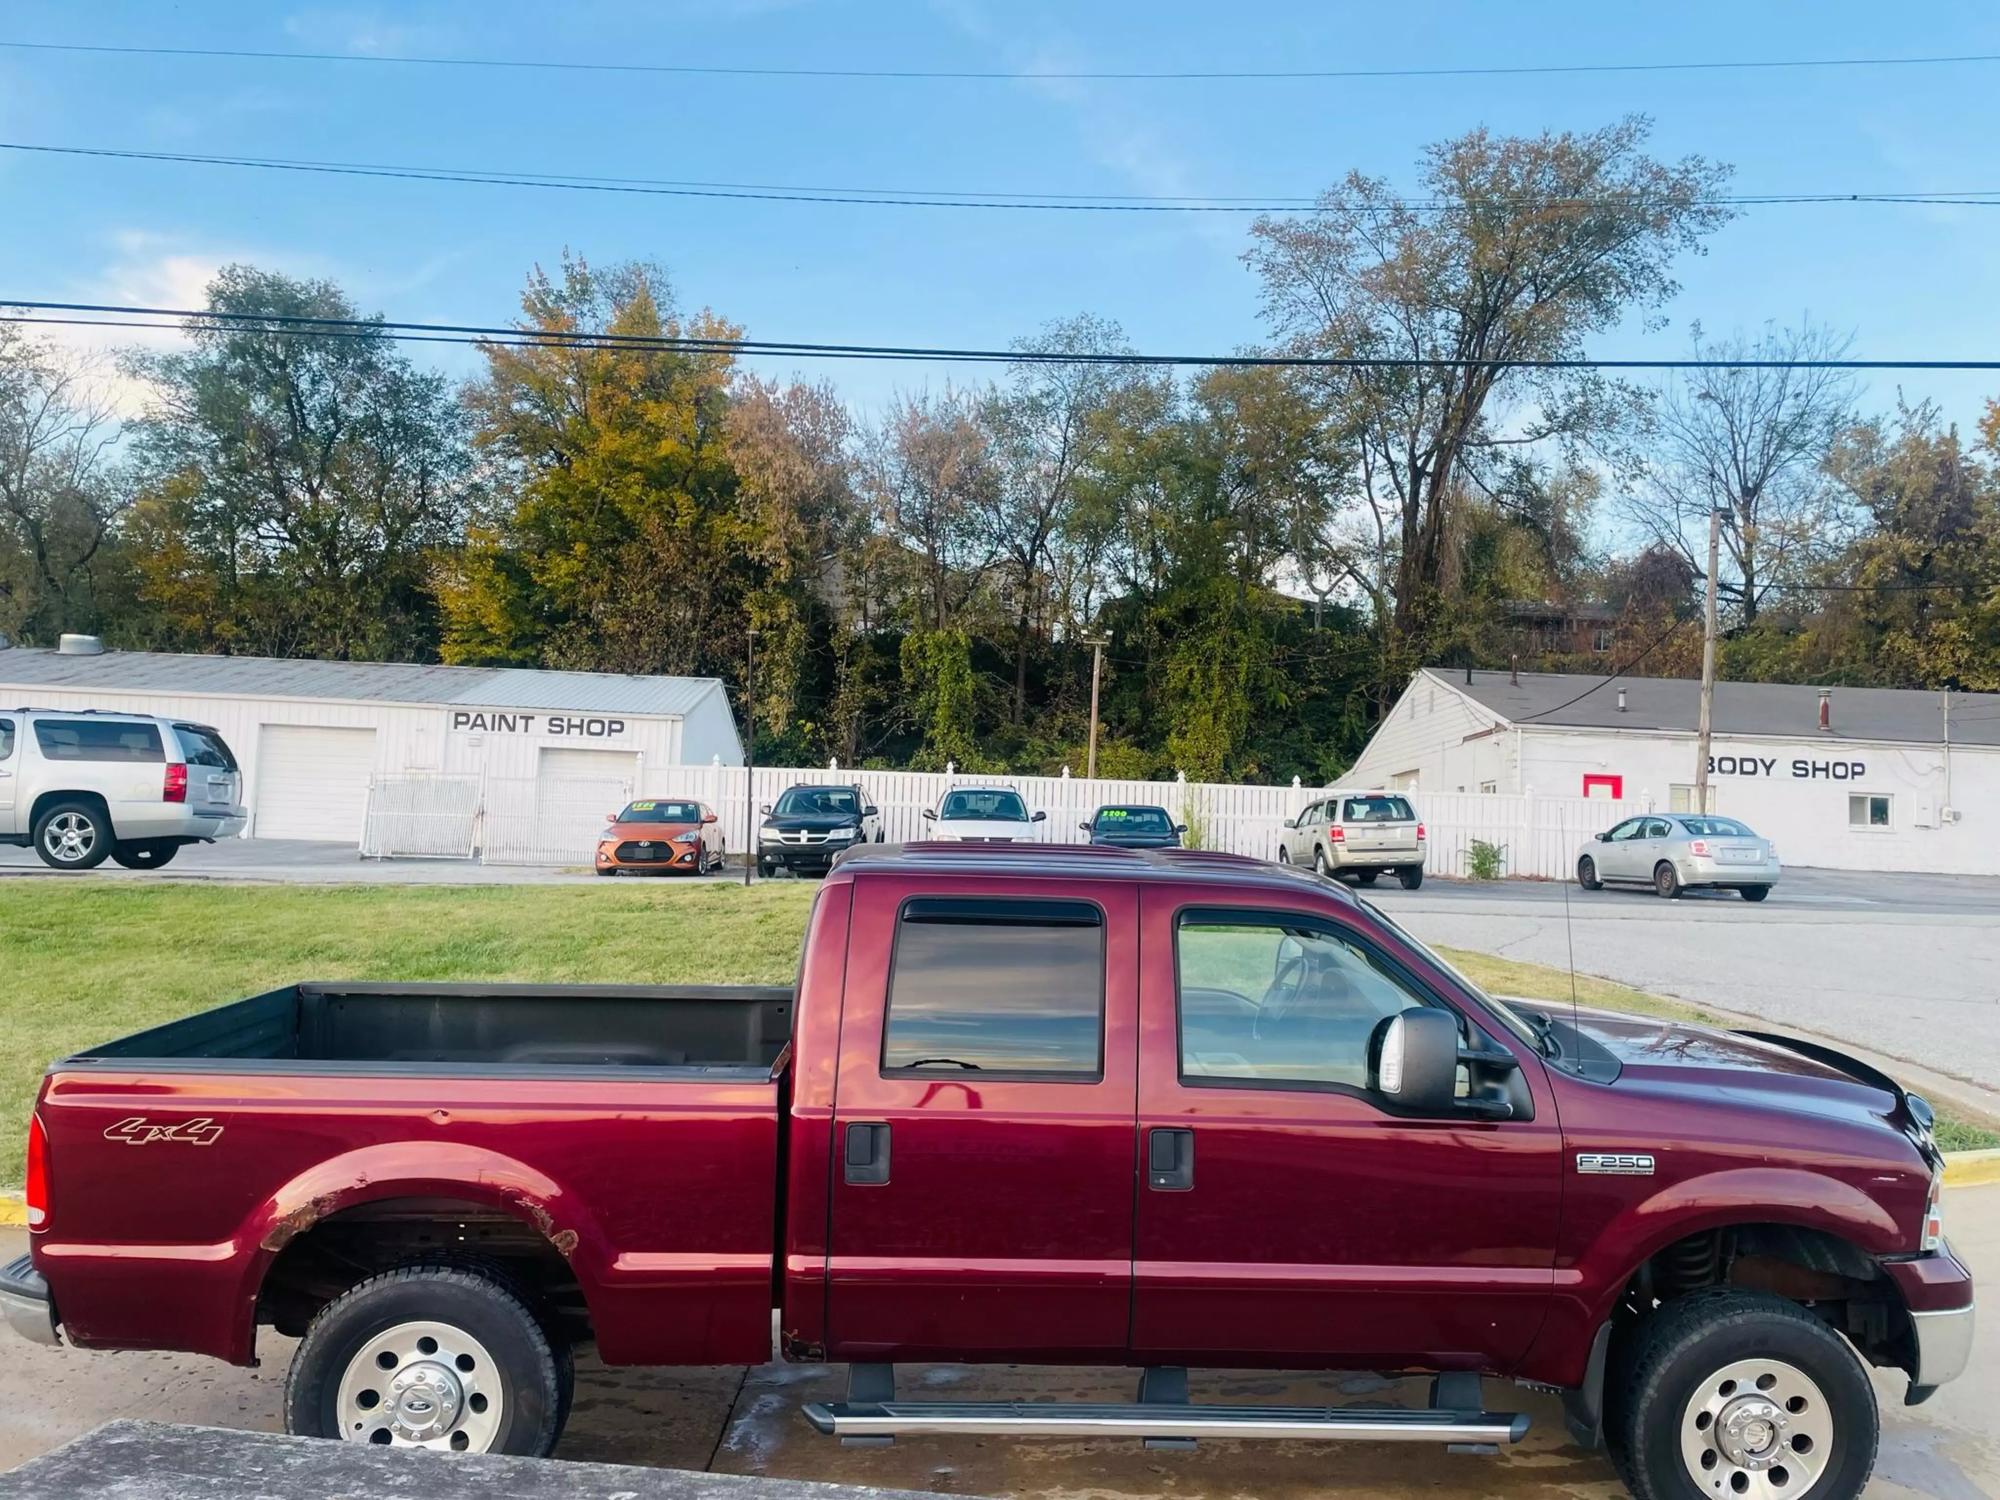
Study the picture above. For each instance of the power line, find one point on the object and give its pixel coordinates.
(474, 333)
(970, 198)
(1038, 75)
(1629, 667)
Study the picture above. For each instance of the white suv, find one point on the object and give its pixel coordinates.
(82, 785)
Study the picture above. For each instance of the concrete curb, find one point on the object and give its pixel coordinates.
(1962, 1169)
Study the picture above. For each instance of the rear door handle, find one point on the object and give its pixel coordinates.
(865, 1151)
(1170, 1161)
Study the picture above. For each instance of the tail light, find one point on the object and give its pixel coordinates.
(1420, 833)
(1698, 847)
(177, 784)
(38, 1174)
(1931, 1242)
(1337, 834)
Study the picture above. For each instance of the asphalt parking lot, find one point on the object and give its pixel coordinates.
(746, 1421)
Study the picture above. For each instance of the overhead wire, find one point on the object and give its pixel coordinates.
(184, 319)
(1001, 75)
(989, 199)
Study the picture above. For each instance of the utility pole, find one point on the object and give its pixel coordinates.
(1701, 750)
(1097, 646)
(749, 755)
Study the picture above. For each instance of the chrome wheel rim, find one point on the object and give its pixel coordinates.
(70, 836)
(422, 1385)
(1757, 1427)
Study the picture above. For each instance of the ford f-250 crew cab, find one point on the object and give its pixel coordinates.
(1062, 1105)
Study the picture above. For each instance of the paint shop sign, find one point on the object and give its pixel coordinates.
(557, 726)
(1801, 768)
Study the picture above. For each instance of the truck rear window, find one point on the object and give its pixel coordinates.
(204, 747)
(98, 739)
(997, 986)
(1378, 810)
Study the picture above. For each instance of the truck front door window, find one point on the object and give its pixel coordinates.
(997, 987)
(1263, 1003)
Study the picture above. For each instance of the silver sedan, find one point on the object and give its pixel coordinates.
(1672, 851)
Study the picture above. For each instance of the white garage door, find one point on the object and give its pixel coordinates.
(587, 765)
(312, 782)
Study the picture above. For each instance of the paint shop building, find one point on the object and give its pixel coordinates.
(1841, 778)
(312, 735)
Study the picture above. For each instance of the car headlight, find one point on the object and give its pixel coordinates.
(843, 833)
(692, 836)
(768, 834)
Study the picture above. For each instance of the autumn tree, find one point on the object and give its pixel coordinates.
(1747, 431)
(933, 483)
(59, 498)
(614, 540)
(1510, 251)
(300, 488)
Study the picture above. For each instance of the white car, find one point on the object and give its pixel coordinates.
(982, 815)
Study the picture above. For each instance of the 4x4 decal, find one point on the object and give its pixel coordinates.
(140, 1131)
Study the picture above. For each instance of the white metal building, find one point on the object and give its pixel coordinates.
(312, 735)
(1841, 778)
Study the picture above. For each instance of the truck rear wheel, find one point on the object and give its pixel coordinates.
(144, 854)
(1411, 876)
(430, 1356)
(1742, 1393)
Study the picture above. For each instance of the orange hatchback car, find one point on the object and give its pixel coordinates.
(660, 838)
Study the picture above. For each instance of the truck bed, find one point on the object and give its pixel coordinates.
(625, 1139)
(433, 1027)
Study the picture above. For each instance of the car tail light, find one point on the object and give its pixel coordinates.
(1930, 1244)
(177, 784)
(1420, 833)
(38, 1174)
(1337, 834)
(1698, 847)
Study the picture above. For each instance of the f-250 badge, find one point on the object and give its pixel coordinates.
(140, 1131)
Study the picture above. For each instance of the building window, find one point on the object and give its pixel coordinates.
(1600, 641)
(997, 986)
(1867, 810)
(1489, 786)
(1681, 798)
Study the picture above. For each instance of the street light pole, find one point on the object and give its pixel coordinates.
(1097, 646)
(1701, 749)
(749, 755)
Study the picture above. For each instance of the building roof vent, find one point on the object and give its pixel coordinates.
(1826, 710)
(79, 645)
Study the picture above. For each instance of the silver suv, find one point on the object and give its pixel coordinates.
(82, 785)
(1363, 834)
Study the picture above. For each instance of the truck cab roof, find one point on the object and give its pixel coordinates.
(1083, 862)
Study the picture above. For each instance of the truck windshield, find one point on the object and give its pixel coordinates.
(818, 799)
(1504, 1013)
(994, 803)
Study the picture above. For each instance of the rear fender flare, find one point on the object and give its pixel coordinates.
(412, 1169)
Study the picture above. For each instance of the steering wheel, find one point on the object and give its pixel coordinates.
(1280, 995)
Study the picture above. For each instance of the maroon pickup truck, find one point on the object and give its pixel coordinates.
(1161, 1109)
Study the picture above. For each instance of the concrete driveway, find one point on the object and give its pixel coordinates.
(1907, 966)
(742, 1421)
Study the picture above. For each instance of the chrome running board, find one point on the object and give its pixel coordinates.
(879, 1420)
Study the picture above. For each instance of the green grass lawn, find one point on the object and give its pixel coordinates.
(84, 961)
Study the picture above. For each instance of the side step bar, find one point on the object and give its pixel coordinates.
(1382, 1424)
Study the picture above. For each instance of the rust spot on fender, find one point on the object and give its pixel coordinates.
(290, 1226)
(563, 1239)
(565, 1242)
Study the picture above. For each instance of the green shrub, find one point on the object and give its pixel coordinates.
(1484, 861)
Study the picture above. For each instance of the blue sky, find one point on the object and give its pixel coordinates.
(1921, 281)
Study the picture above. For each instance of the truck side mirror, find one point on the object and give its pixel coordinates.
(1415, 1062)
(870, 810)
(930, 815)
(1085, 825)
(1180, 830)
(1040, 817)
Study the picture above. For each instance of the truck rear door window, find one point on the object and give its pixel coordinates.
(1266, 1002)
(204, 747)
(98, 739)
(996, 986)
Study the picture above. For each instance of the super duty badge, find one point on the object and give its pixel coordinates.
(1615, 1163)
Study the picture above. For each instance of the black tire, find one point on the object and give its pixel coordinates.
(1586, 874)
(1755, 892)
(607, 869)
(1411, 876)
(1667, 881)
(73, 834)
(144, 854)
(1284, 855)
(1694, 1339)
(1320, 867)
(532, 1374)
(1366, 877)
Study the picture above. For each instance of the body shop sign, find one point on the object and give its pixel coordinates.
(557, 726)
(1801, 769)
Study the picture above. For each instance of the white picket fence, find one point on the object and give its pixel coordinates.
(554, 821)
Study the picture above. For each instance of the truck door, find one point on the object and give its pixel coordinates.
(983, 1143)
(1286, 1213)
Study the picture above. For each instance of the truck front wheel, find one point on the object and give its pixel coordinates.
(429, 1356)
(1742, 1393)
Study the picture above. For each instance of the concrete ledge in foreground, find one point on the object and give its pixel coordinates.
(154, 1461)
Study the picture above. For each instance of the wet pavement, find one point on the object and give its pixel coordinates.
(747, 1422)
